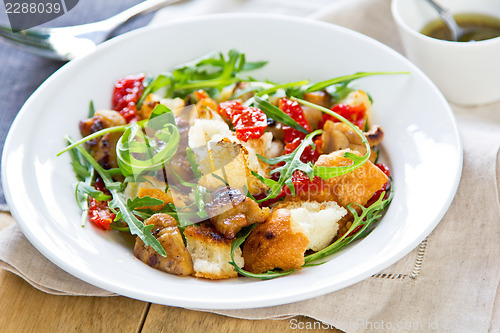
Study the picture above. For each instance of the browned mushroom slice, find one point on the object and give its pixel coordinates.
(178, 260)
(374, 135)
(103, 148)
(313, 115)
(229, 211)
(338, 136)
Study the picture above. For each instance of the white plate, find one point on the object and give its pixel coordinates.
(421, 142)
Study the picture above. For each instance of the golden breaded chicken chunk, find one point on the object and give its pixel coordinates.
(357, 186)
(277, 243)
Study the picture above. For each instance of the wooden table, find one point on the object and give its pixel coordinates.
(26, 309)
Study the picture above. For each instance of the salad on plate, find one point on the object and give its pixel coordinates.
(220, 175)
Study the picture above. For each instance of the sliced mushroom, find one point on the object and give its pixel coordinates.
(338, 136)
(374, 135)
(103, 148)
(178, 260)
(229, 211)
(314, 116)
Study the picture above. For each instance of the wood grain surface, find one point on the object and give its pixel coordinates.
(26, 309)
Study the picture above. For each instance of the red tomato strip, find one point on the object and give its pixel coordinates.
(294, 110)
(99, 212)
(248, 122)
(293, 137)
(355, 114)
(126, 94)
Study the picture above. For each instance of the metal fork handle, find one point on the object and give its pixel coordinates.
(113, 22)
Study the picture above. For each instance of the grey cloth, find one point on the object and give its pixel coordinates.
(21, 73)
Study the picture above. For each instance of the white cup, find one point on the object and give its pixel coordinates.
(467, 73)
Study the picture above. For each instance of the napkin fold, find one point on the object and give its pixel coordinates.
(448, 283)
(18, 256)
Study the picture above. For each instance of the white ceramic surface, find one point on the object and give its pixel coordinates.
(466, 73)
(421, 142)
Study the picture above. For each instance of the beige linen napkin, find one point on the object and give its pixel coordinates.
(449, 283)
(18, 256)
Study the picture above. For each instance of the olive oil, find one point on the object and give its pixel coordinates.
(479, 26)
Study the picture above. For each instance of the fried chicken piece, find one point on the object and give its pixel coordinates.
(211, 252)
(178, 260)
(229, 211)
(277, 243)
(357, 186)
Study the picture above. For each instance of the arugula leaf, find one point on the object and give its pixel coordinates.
(119, 205)
(85, 174)
(97, 134)
(80, 168)
(200, 194)
(154, 150)
(84, 188)
(359, 228)
(330, 172)
(192, 161)
(276, 87)
(291, 162)
(91, 109)
(346, 79)
(275, 113)
(263, 276)
(339, 92)
(144, 201)
(251, 66)
(160, 81)
(251, 88)
(211, 73)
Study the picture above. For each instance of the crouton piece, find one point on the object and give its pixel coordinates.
(359, 97)
(318, 220)
(155, 188)
(260, 147)
(357, 186)
(152, 187)
(203, 130)
(211, 253)
(156, 194)
(218, 151)
(274, 149)
(279, 242)
(229, 211)
(178, 260)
